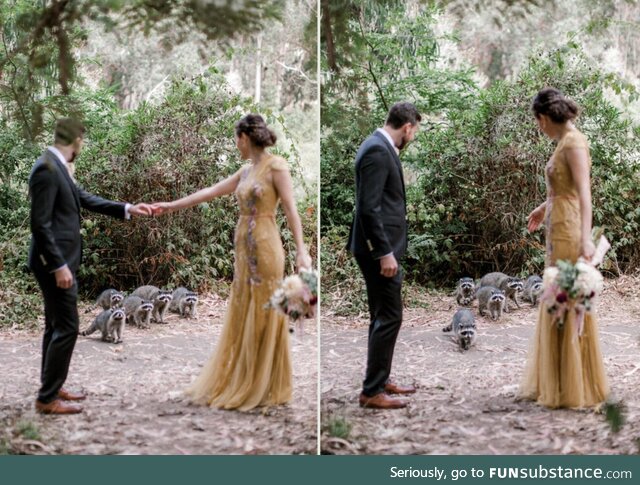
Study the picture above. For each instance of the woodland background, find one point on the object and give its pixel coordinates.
(475, 170)
(160, 85)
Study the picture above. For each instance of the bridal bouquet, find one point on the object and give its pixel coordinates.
(573, 287)
(297, 296)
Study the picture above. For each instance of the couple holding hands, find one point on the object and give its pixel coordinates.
(251, 365)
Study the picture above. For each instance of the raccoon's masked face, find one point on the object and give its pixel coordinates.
(165, 296)
(515, 284)
(146, 307)
(116, 299)
(536, 289)
(497, 297)
(466, 285)
(118, 314)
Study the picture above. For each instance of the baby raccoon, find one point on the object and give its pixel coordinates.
(492, 299)
(159, 298)
(110, 298)
(466, 291)
(111, 323)
(138, 311)
(464, 328)
(184, 302)
(511, 286)
(532, 289)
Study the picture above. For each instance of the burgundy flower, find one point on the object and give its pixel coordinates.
(561, 297)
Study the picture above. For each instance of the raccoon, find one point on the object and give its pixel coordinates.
(184, 302)
(160, 299)
(492, 299)
(110, 298)
(111, 323)
(463, 326)
(138, 311)
(532, 289)
(511, 286)
(466, 291)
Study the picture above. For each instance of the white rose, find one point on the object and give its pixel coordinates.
(550, 275)
(292, 285)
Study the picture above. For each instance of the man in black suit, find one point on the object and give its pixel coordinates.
(55, 254)
(378, 239)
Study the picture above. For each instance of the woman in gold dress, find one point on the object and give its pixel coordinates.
(564, 369)
(251, 365)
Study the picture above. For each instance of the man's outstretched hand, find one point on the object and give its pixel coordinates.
(141, 210)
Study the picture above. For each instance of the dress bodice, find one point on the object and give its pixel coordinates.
(256, 194)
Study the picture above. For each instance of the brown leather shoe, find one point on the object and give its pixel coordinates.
(70, 396)
(381, 401)
(57, 406)
(391, 388)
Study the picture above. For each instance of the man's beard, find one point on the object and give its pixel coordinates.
(403, 143)
(74, 155)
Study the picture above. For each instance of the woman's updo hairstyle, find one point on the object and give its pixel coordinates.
(554, 104)
(254, 126)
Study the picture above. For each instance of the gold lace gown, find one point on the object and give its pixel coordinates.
(564, 369)
(251, 364)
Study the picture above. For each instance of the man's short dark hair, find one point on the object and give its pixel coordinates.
(67, 130)
(402, 113)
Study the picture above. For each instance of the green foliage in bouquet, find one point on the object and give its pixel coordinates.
(567, 278)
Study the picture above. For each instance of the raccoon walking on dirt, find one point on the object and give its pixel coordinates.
(492, 300)
(510, 285)
(465, 291)
(463, 326)
(160, 299)
(138, 311)
(109, 298)
(184, 302)
(111, 323)
(532, 289)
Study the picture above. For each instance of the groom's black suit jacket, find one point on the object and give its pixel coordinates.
(55, 215)
(379, 226)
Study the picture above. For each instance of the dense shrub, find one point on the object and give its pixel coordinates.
(476, 171)
(154, 153)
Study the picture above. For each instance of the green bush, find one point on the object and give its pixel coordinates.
(152, 154)
(477, 169)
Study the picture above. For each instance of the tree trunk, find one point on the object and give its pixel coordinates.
(327, 32)
(258, 69)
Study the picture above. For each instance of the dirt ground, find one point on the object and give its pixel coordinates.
(466, 402)
(135, 403)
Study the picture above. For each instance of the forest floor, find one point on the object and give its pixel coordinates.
(466, 403)
(135, 401)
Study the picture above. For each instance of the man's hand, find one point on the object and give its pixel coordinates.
(388, 266)
(64, 278)
(141, 210)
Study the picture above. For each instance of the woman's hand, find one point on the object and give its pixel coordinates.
(588, 249)
(160, 208)
(535, 218)
(303, 260)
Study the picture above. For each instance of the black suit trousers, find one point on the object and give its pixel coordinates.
(60, 334)
(385, 311)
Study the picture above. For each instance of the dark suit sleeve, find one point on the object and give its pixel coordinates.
(94, 203)
(373, 171)
(43, 187)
